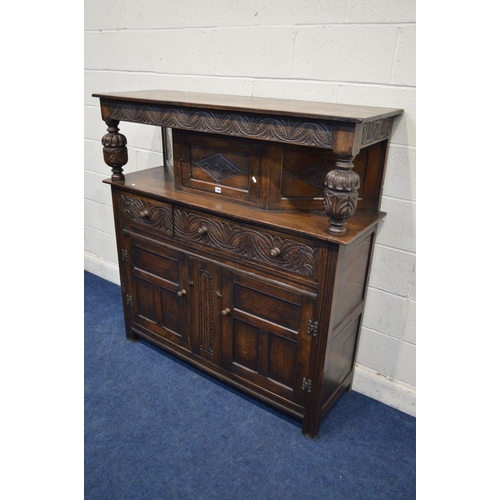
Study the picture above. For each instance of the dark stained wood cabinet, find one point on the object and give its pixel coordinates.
(228, 261)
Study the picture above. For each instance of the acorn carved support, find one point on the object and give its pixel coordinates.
(115, 149)
(341, 194)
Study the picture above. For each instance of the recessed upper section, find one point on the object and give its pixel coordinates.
(261, 105)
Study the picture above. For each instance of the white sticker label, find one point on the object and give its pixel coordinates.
(254, 179)
(218, 189)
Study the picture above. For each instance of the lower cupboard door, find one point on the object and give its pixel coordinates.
(265, 339)
(157, 290)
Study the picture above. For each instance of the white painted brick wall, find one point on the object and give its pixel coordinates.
(381, 11)
(349, 51)
(265, 52)
(346, 53)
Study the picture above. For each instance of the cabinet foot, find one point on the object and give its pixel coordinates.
(312, 435)
(132, 337)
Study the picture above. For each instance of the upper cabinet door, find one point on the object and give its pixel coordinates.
(265, 334)
(158, 288)
(225, 167)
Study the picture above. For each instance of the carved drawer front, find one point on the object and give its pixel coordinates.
(247, 242)
(147, 214)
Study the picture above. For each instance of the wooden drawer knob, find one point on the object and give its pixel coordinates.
(275, 252)
(226, 312)
(181, 293)
(144, 214)
(202, 230)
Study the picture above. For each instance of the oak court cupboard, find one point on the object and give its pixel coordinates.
(249, 257)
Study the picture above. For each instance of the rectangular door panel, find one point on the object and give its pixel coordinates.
(172, 311)
(246, 345)
(146, 307)
(255, 299)
(282, 356)
(160, 268)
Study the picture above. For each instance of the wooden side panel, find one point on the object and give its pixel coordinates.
(349, 293)
(351, 278)
(339, 359)
(370, 195)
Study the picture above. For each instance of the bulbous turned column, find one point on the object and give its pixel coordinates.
(115, 150)
(341, 194)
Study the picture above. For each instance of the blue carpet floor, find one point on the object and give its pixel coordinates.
(157, 429)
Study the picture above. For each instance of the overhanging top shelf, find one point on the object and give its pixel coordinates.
(261, 105)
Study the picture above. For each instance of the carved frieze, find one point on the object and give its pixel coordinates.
(318, 133)
(376, 131)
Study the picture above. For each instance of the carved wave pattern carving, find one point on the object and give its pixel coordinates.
(376, 131)
(247, 243)
(254, 126)
(146, 213)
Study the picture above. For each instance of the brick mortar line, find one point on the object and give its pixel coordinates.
(399, 339)
(407, 252)
(397, 198)
(251, 26)
(253, 78)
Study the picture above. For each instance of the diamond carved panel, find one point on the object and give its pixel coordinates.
(218, 167)
(315, 175)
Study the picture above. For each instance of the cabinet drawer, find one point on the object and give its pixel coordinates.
(146, 213)
(247, 242)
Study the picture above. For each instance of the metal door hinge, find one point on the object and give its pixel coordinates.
(129, 300)
(312, 328)
(306, 384)
(124, 255)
